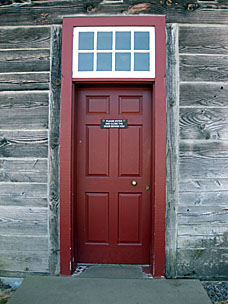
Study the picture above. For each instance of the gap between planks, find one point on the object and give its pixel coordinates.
(24, 92)
(205, 55)
(25, 49)
(25, 235)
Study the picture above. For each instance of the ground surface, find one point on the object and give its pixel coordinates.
(216, 290)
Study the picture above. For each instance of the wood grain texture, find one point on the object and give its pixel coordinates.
(29, 261)
(34, 171)
(24, 253)
(23, 144)
(23, 243)
(203, 40)
(24, 37)
(203, 94)
(203, 230)
(51, 12)
(203, 202)
(200, 168)
(203, 68)
(203, 160)
(24, 81)
(27, 221)
(20, 195)
(189, 241)
(24, 60)
(24, 110)
(218, 217)
(203, 184)
(203, 149)
(202, 263)
(205, 123)
(172, 149)
(54, 242)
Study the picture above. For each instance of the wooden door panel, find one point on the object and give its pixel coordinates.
(130, 105)
(130, 160)
(129, 209)
(97, 217)
(98, 104)
(113, 217)
(97, 149)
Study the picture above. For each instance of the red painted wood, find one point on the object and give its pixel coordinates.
(65, 154)
(68, 153)
(159, 156)
(114, 224)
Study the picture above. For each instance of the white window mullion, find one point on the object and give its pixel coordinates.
(113, 50)
(95, 51)
(132, 51)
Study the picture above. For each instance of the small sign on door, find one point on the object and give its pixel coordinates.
(114, 123)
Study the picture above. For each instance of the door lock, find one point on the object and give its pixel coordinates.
(147, 187)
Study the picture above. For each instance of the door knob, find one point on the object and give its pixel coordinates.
(134, 183)
(147, 187)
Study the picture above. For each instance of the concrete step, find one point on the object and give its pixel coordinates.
(80, 290)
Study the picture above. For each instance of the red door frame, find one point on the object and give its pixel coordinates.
(158, 84)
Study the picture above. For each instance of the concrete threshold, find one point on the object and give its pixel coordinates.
(70, 290)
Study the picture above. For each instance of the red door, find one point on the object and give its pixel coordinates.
(113, 214)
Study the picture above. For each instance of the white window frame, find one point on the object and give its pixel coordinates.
(114, 74)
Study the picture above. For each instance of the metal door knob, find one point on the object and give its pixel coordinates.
(134, 183)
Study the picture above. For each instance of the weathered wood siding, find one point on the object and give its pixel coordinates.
(197, 111)
(24, 119)
(202, 241)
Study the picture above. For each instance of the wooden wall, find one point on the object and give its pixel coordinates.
(202, 241)
(24, 123)
(197, 133)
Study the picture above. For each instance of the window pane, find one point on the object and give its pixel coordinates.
(86, 41)
(104, 61)
(141, 62)
(104, 40)
(141, 41)
(123, 61)
(85, 62)
(123, 40)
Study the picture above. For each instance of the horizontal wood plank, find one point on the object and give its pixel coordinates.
(29, 261)
(199, 168)
(24, 81)
(24, 144)
(188, 241)
(202, 263)
(34, 171)
(203, 68)
(23, 243)
(218, 217)
(206, 230)
(20, 195)
(24, 110)
(203, 149)
(205, 123)
(23, 221)
(201, 160)
(203, 202)
(25, 37)
(203, 40)
(51, 12)
(203, 94)
(203, 184)
(24, 60)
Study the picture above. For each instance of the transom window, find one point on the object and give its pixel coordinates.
(114, 52)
